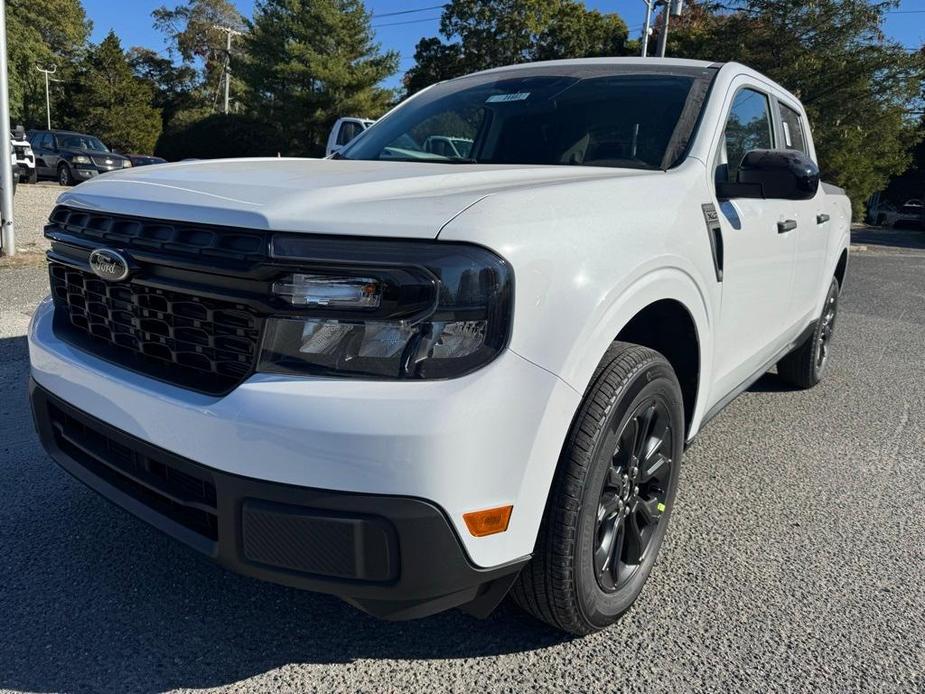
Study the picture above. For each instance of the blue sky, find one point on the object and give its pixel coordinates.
(131, 20)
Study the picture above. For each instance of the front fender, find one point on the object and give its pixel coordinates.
(620, 305)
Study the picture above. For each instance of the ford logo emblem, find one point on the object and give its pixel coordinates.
(109, 264)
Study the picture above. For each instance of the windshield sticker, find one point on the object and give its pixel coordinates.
(504, 98)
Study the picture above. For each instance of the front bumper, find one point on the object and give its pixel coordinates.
(364, 548)
(488, 439)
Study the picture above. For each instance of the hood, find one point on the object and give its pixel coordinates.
(363, 198)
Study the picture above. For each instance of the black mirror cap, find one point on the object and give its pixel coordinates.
(783, 174)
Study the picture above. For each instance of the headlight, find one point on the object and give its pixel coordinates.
(367, 308)
(126, 163)
(81, 159)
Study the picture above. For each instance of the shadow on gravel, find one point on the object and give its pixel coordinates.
(92, 599)
(771, 383)
(890, 238)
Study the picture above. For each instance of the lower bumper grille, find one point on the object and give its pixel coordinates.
(183, 498)
(194, 342)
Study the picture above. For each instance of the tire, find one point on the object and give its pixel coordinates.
(805, 365)
(599, 496)
(33, 177)
(65, 177)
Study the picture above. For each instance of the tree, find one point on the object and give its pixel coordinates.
(108, 100)
(40, 33)
(191, 31)
(856, 85)
(174, 87)
(482, 34)
(308, 62)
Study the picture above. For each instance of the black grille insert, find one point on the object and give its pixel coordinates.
(180, 238)
(182, 497)
(193, 342)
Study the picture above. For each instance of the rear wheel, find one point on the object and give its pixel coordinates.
(609, 505)
(805, 365)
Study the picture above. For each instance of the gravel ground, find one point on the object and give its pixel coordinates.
(31, 207)
(795, 560)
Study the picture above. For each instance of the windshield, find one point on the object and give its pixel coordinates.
(623, 120)
(84, 142)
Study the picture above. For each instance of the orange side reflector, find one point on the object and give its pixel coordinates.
(489, 521)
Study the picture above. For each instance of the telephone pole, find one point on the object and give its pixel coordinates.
(229, 32)
(47, 97)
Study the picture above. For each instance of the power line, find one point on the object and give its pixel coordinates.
(409, 21)
(420, 9)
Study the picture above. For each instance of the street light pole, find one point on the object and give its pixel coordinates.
(7, 232)
(47, 96)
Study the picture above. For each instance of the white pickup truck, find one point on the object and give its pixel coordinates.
(423, 381)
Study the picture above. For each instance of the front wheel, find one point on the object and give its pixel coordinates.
(65, 177)
(805, 365)
(33, 176)
(614, 489)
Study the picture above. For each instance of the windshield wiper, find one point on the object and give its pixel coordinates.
(417, 160)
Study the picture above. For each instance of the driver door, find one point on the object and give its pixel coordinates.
(758, 252)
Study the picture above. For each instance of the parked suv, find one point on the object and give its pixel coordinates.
(421, 381)
(72, 157)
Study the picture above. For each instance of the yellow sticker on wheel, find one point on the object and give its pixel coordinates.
(661, 508)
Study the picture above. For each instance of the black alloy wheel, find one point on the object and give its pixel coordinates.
(826, 330)
(806, 363)
(634, 496)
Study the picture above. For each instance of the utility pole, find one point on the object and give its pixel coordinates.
(7, 233)
(650, 4)
(672, 8)
(47, 96)
(227, 74)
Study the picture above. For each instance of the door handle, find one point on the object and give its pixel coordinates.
(822, 218)
(786, 225)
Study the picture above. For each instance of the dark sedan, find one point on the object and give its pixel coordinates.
(73, 157)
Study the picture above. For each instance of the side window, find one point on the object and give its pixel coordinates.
(348, 131)
(792, 124)
(748, 127)
(42, 140)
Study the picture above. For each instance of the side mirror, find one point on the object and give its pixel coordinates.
(773, 174)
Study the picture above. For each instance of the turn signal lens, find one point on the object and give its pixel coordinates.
(489, 521)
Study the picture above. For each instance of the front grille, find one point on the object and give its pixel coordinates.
(160, 484)
(192, 240)
(194, 342)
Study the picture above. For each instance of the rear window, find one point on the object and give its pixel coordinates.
(792, 124)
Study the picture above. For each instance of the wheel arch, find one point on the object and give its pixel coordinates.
(667, 327)
(664, 310)
(841, 268)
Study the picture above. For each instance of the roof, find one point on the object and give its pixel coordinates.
(577, 64)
